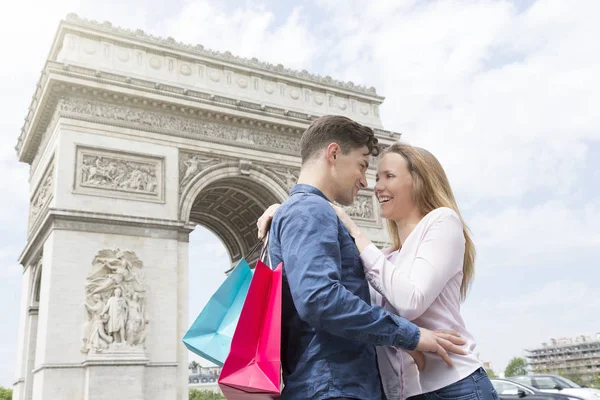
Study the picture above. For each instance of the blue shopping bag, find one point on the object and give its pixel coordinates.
(210, 334)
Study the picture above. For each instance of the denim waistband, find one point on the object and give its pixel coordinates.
(479, 373)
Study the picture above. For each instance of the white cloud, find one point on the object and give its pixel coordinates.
(504, 99)
(247, 31)
(548, 233)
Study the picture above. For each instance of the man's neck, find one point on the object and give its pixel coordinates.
(313, 175)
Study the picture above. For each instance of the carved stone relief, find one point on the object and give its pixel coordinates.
(126, 175)
(42, 196)
(179, 124)
(361, 208)
(191, 164)
(115, 303)
(288, 175)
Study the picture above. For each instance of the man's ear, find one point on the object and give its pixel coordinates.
(332, 151)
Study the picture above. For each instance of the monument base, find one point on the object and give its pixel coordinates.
(115, 373)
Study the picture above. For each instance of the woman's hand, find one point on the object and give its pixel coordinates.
(361, 240)
(346, 220)
(264, 222)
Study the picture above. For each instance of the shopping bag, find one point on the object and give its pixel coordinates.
(211, 333)
(252, 369)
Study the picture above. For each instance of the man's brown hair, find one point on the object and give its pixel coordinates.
(347, 133)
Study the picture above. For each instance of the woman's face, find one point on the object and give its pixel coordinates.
(394, 187)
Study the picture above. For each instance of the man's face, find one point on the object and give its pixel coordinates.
(349, 174)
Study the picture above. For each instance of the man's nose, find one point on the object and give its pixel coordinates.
(363, 181)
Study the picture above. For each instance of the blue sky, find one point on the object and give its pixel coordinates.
(504, 93)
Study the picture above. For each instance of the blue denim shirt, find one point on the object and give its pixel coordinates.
(329, 328)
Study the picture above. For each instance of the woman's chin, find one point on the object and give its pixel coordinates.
(383, 212)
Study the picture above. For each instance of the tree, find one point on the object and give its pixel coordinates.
(596, 381)
(516, 366)
(575, 377)
(194, 366)
(491, 373)
(196, 394)
(5, 394)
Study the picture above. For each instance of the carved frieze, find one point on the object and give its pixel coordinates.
(119, 174)
(180, 125)
(115, 303)
(42, 196)
(362, 208)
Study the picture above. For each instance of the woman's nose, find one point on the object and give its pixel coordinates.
(378, 187)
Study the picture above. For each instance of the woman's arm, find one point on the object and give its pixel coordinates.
(410, 286)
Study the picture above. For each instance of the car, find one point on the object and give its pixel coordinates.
(202, 378)
(557, 384)
(510, 390)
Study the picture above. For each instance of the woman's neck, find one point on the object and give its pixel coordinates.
(407, 225)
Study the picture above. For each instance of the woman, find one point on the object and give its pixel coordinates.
(424, 277)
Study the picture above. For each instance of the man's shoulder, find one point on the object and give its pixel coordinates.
(305, 208)
(302, 203)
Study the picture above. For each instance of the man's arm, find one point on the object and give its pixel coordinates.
(312, 261)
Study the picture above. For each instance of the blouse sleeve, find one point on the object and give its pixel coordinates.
(411, 285)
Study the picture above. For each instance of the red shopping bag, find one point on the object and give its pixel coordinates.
(252, 370)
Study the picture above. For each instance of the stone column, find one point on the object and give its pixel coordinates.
(23, 345)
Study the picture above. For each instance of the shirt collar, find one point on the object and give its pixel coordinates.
(304, 188)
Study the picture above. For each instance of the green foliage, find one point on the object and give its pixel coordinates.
(517, 366)
(596, 381)
(196, 394)
(575, 377)
(491, 373)
(5, 394)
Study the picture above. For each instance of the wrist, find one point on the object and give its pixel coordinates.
(361, 241)
(356, 234)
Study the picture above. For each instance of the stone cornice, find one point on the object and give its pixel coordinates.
(56, 218)
(62, 80)
(170, 43)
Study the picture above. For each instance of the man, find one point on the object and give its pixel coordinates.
(329, 328)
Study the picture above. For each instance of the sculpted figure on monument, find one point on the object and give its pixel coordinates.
(116, 309)
(112, 173)
(194, 165)
(288, 175)
(42, 197)
(115, 302)
(136, 327)
(95, 337)
(361, 208)
(115, 268)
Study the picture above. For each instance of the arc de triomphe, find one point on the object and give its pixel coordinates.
(133, 140)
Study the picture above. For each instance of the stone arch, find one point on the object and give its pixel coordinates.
(36, 285)
(227, 199)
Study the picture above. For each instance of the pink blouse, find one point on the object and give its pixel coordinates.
(421, 282)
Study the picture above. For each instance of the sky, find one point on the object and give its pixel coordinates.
(504, 93)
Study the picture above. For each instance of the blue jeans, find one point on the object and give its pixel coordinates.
(476, 386)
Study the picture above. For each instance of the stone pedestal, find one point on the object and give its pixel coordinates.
(119, 374)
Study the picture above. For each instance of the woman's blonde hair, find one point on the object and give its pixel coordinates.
(431, 190)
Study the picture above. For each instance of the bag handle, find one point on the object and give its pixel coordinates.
(265, 251)
(254, 248)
